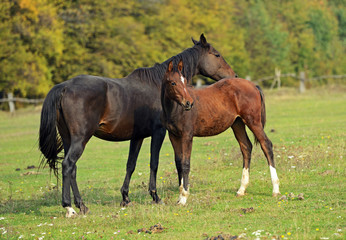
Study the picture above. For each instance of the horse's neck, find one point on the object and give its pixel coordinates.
(152, 75)
(172, 111)
(190, 58)
(155, 74)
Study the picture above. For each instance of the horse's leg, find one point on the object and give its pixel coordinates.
(177, 155)
(246, 148)
(135, 146)
(182, 151)
(68, 165)
(156, 143)
(184, 186)
(77, 198)
(267, 148)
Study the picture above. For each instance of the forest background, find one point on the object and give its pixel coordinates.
(45, 42)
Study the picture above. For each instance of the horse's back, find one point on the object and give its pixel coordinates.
(236, 90)
(238, 84)
(247, 98)
(111, 109)
(218, 105)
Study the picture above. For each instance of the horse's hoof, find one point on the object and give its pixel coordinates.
(182, 201)
(158, 203)
(126, 204)
(240, 194)
(276, 194)
(70, 212)
(83, 209)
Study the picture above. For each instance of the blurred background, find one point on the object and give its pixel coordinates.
(45, 42)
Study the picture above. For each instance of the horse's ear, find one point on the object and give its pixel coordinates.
(194, 41)
(180, 65)
(203, 40)
(170, 66)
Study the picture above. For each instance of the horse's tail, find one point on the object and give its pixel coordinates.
(50, 142)
(263, 110)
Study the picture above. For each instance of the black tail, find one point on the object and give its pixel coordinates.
(263, 110)
(50, 141)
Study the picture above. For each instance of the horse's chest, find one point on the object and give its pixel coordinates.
(173, 128)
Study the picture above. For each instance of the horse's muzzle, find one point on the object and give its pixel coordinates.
(187, 106)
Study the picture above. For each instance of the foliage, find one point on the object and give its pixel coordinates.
(44, 42)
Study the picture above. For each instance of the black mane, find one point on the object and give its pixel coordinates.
(155, 74)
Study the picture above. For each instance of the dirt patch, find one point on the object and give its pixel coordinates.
(221, 237)
(248, 210)
(327, 172)
(292, 196)
(30, 173)
(157, 228)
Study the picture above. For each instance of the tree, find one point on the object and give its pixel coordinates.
(33, 36)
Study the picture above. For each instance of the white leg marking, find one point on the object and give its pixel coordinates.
(70, 212)
(245, 179)
(275, 180)
(182, 194)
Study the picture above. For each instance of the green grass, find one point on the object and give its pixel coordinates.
(308, 133)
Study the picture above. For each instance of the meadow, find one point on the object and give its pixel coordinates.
(308, 132)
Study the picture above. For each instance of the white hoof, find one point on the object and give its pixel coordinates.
(70, 212)
(183, 194)
(276, 194)
(182, 200)
(240, 193)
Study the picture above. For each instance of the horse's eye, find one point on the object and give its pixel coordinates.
(173, 83)
(217, 55)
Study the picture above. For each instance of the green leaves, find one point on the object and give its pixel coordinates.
(46, 42)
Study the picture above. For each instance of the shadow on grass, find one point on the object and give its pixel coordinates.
(95, 196)
(33, 205)
(53, 198)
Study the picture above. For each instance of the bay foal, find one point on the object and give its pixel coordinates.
(230, 102)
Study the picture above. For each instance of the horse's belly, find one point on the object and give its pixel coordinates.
(122, 131)
(111, 136)
(211, 128)
(112, 131)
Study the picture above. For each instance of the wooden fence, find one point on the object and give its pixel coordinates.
(276, 82)
(301, 77)
(11, 100)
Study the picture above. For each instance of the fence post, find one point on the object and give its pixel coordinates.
(302, 82)
(11, 102)
(198, 83)
(276, 79)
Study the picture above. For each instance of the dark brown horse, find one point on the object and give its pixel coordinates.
(230, 102)
(115, 110)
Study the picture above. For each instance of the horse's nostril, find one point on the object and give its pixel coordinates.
(188, 103)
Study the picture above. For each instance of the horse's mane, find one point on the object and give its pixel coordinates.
(190, 59)
(155, 74)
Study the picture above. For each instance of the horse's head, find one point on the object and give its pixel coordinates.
(175, 86)
(211, 63)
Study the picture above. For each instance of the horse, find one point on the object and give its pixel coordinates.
(121, 109)
(230, 102)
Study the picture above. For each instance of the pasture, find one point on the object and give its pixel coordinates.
(308, 132)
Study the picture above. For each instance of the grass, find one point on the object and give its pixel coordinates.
(308, 132)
